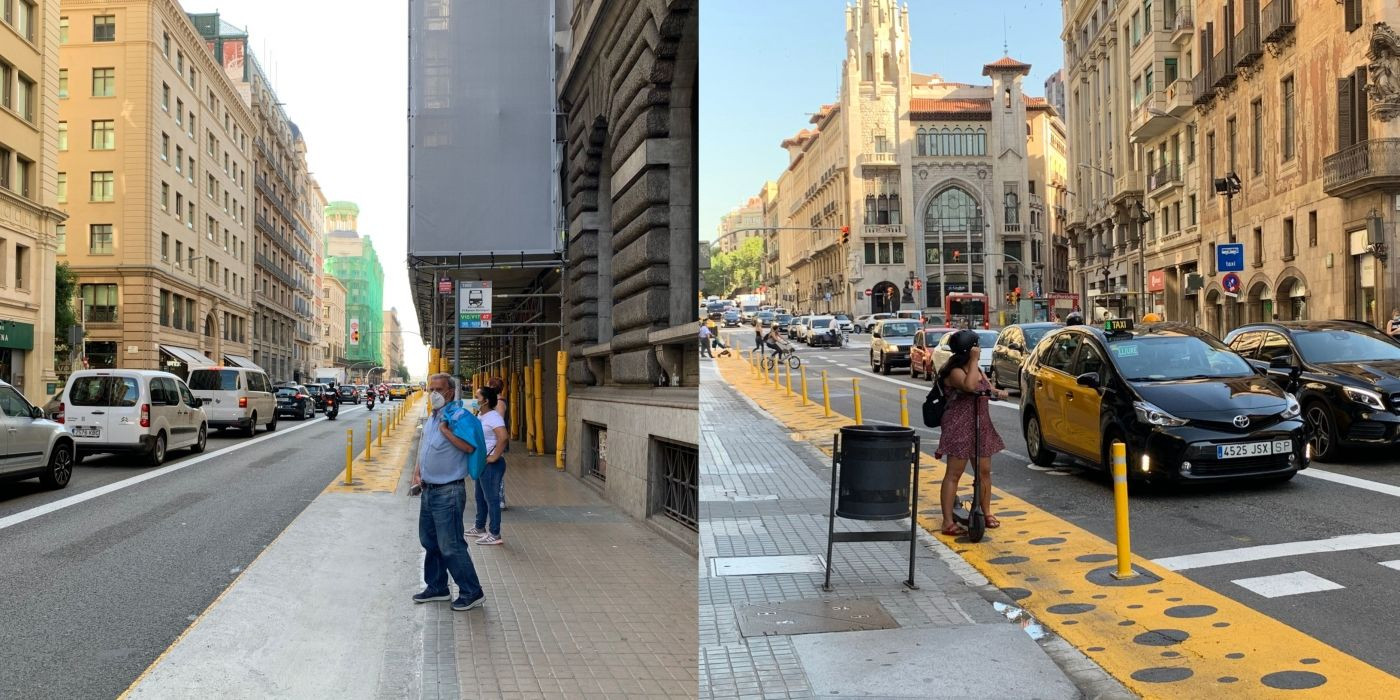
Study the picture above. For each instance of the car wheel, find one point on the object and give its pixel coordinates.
(1322, 430)
(1041, 455)
(874, 366)
(60, 466)
(156, 456)
(272, 424)
(309, 412)
(884, 365)
(203, 440)
(252, 425)
(913, 369)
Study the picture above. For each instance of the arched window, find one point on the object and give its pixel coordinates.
(1013, 209)
(945, 142)
(923, 148)
(889, 69)
(870, 209)
(1006, 98)
(882, 215)
(894, 209)
(869, 67)
(981, 141)
(952, 221)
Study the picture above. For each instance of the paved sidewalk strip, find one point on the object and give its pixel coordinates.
(765, 497)
(582, 602)
(1162, 635)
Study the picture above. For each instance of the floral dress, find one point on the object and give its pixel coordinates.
(955, 438)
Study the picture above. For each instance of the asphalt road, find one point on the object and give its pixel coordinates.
(95, 590)
(1358, 617)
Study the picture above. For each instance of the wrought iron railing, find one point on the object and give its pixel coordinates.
(101, 314)
(1350, 168)
(1204, 88)
(1222, 68)
(267, 264)
(266, 227)
(1247, 48)
(1169, 173)
(1182, 21)
(680, 484)
(1278, 20)
(596, 459)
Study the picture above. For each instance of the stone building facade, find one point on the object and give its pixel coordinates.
(739, 225)
(628, 90)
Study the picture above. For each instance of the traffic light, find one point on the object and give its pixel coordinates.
(1016, 295)
(354, 336)
(918, 284)
(1008, 298)
(845, 235)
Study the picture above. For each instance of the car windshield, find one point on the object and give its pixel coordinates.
(287, 391)
(731, 314)
(821, 323)
(214, 380)
(842, 317)
(1033, 335)
(898, 330)
(1337, 345)
(750, 308)
(314, 390)
(987, 339)
(1169, 358)
(784, 318)
(104, 391)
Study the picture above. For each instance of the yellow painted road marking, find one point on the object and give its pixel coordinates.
(1161, 635)
(383, 474)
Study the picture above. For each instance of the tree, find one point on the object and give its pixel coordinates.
(401, 371)
(64, 316)
(741, 268)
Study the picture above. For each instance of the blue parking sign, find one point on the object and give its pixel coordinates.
(1229, 257)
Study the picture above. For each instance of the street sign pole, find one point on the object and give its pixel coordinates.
(457, 330)
(942, 288)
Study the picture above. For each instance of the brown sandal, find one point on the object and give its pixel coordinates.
(953, 530)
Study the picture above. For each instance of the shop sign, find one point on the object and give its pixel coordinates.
(16, 335)
(1156, 280)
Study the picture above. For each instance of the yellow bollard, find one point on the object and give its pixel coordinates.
(787, 369)
(1120, 511)
(539, 406)
(381, 431)
(826, 396)
(349, 454)
(855, 391)
(529, 428)
(562, 418)
(369, 439)
(804, 386)
(904, 407)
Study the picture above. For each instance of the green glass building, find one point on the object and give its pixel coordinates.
(351, 259)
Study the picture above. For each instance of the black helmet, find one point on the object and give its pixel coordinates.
(963, 341)
(1074, 319)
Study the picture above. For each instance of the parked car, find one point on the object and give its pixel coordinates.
(985, 339)
(1186, 407)
(845, 323)
(889, 344)
(1346, 375)
(54, 406)
(34, 446)
(139, 411)
(318, 394)
(921, 351)
(732, 318)
(818, 329)
(910, 314)
(349, 394)
(798, 329)
(864, 324)
(1014, 344)
(295, 401)
(235, 397)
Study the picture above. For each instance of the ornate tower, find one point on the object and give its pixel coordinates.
(1006, 143)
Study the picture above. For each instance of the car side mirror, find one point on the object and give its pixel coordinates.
(1088, 379)
(875, 334)
(198, 402)
(1281, 362)
(1015, 346)
(36, 412)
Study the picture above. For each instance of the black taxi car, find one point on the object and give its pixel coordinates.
(1186, 406)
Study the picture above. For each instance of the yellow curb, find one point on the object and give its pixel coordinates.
(383, 474)
(1163, 637)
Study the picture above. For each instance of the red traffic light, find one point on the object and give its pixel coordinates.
(918, 284)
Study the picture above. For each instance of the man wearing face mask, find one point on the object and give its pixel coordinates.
(443, 465)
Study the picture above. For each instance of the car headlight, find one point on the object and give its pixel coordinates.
(1151, 415)
(1369, 399)
(1293, 409)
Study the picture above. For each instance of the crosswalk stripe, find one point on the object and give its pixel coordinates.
(1293, 583)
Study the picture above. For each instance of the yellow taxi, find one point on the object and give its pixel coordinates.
(1186, 406)
(398, 391)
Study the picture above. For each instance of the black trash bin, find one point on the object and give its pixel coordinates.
(876, 468)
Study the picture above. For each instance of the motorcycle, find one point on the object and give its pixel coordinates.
(332, 406)
(369, 401)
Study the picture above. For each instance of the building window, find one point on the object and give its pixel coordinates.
(104, 82)
(104, 28)
(1352, 122)
(61, 233)
(1258, 247)
(165, 246)
(1352, 14)
(165, 196)
(104, 135)
(165, 147)
(1256, 115)
(897, 253)
(102, 186)
(25, 176)
(869, 253)
(179, 112)
(179, 158)
(22, 267)
(165, 97)
(1287, 118)
(1210, 162)
(1013, 208)
(1193, 209)
(63, 188)
(596, 458)
(1288, 242)
(62, 83)
(1230, 142)
(165, 44)
(27, 97)
(677, 469)
(63, 136)
(99, 302)
(100, 239)
(1312, 229)
(62, 30)
(1190, 143)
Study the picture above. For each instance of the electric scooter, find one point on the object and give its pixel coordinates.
(973, 518)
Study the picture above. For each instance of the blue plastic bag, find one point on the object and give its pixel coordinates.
(467, 427)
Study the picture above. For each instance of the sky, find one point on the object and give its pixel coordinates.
(341, 68)
(765, 67)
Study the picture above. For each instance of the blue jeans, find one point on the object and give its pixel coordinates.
(440, 533)
(488, 495)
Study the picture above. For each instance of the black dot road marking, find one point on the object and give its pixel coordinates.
(1046, 541)
(1220, 624)
(1308, 661)
(1064, 591)
(1227, 679)
(1017, 593)
(1094, 558)
(1161, 638)
(1100, 596)
(1190, 610)
(1008, 560)
(1071, 608)
(1170, 654)
(1094, 649)
(1162, 674)
(1234, 655)
(1293, 680)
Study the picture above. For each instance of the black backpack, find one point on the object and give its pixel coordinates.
(935, 404)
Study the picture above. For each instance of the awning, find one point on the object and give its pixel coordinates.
(189, 356)
(241, 361)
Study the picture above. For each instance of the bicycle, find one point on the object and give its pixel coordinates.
(788, 355)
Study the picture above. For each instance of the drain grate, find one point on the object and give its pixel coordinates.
(756, 566)
(812, 617)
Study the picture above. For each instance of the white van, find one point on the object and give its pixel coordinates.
(235, 397)
(137, 411)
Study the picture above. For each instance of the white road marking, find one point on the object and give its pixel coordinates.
(45, 509)
(1336, 478)
(925, 387)
(1276, 551)
(1287, 584)
(838, 364)
(1395, 564)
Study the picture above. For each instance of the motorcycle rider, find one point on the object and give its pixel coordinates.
(369, 398)
(332, 399)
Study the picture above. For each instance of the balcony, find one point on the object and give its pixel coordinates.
(1035, 202)
(1150, 118)
(882, 230)
(1365, 167)
(272, 268)
(1247, 48)
(1163, 179)
(877, 160)
(1222, 69)
(1278, 20)
(101, 314)
(262, 224)
(274, 199)
(1202, 88)
(1181, 25)
(1181, 94)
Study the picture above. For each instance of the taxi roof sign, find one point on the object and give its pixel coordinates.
(1117, 325)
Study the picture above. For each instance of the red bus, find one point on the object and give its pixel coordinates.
(966, 310)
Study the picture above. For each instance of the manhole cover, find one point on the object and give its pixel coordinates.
(812, 616)
(753, 566)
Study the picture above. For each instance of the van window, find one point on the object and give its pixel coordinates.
(214, 380)
(104, 391)
(163, 392)
(260, 382)
(185, 394)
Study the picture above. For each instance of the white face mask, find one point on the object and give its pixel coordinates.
(437, 400)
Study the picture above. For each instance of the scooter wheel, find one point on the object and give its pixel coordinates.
(976, 526)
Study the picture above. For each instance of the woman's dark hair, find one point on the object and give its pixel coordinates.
(958, 360)
(497, 384)
(488, 395)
